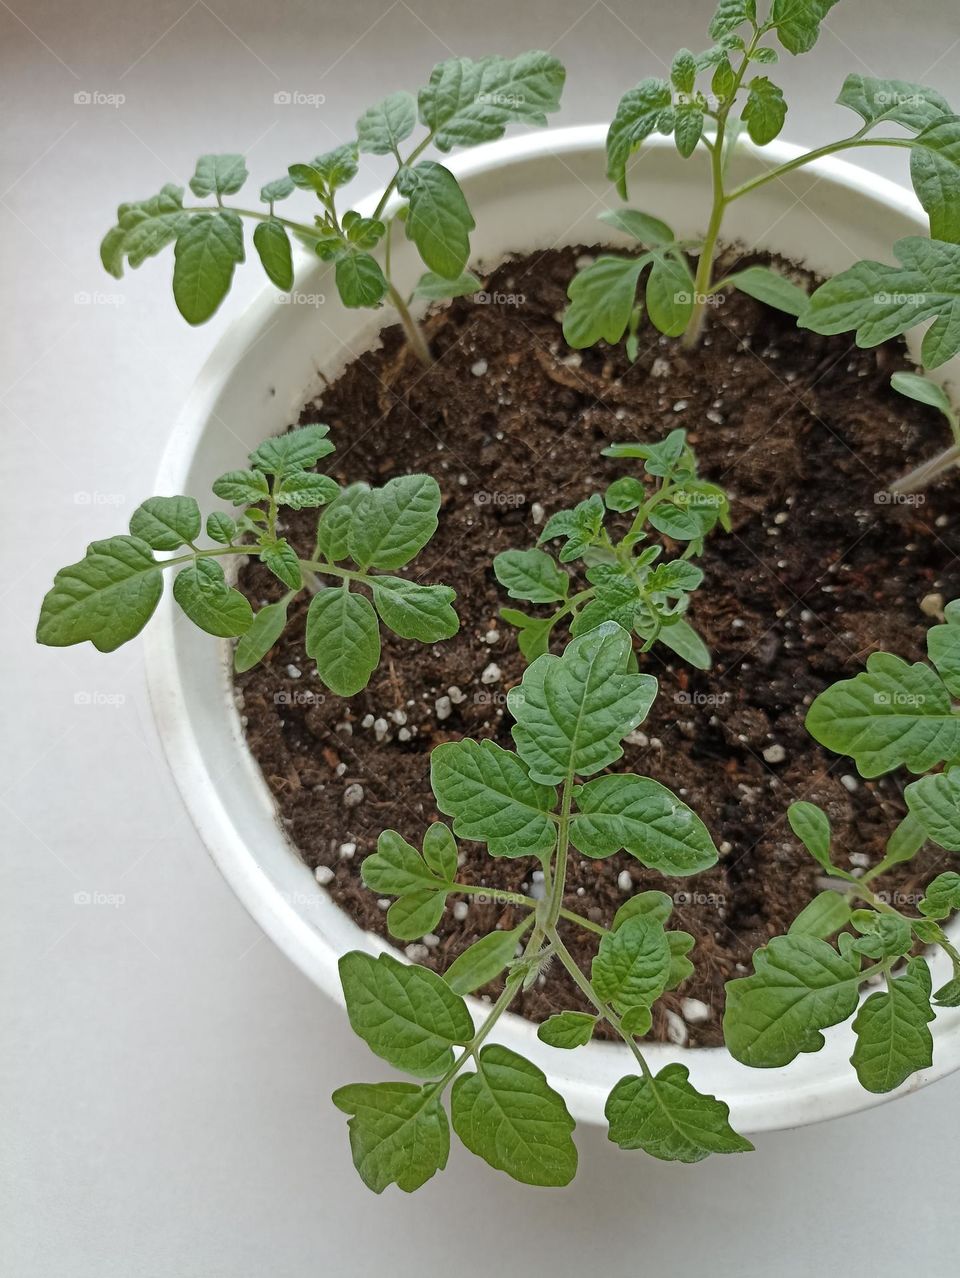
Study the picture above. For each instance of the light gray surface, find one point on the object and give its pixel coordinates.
(166, 1073)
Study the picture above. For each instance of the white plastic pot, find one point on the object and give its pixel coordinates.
(527, 193)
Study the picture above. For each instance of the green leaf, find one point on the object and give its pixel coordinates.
(241, 487)
(897, 101)
(413, 611)
(392, 524)
(281, 558)
(881, 302)
(632, 964)
(397, 869)
(343, 638)
(333, 531)
(303, 490)
(602, 297)
(531, 575)
(508, 1114)
(260, 636)
(271, 241)
(108, 597)
(943, 648)
(724, 79)
(935, 803)
(202, 592)
(218, 175)
(360, 281)
(681, 638)
(399, 1133)
(771, 288)
(681, 943)
(286, 454)
(764, 111)
(484, 960)
(641, 111)
(811, 825)
(143, 229)
(683, 71)
(166, 523)
(942, 896)
(221, 528)
(488, 792)
(572, 711)
(382, 127)
(440, 851)
(905, 842)
(949, 995)
(364, 232)
(436, 288)
(468, 102)
(657, 904)
(668, 1118)
(406, 1014)
(278, 189)
(935, 172)
(328, 172)
(637, 1020)
(534, 636)
(205, 255)
(415, 915)
(438, 220)
(798, 22)
(893, 714)
(647, 230)
(800, 986)
(883, 935)
(923, 390)
(567, 1029)
(688, 128)
(669, 295)
(824, 916)
(644, 818)
(731, 14)
(892, 1029)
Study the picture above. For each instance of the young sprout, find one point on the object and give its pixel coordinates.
(925, 391)
(111, 594)
(546, 799)
(710, 99)
(894, 714)
(464, 103)
(627, 584)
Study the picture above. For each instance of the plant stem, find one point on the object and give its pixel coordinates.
(846, 144)
(555, 903)
(609, 1015)
(704, 275)
(927, 471)
(418, 343)
(528, 902)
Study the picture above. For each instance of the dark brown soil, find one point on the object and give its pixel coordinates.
(818, 572)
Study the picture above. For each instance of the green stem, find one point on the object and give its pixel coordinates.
(418, 343)
(555, 904)
(607, 1012)
(846, 144)
(527, 902)
(704, 275)
(391, 185)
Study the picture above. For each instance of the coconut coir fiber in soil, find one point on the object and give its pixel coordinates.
(818, 572)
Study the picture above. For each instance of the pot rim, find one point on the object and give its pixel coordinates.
(770, 1099)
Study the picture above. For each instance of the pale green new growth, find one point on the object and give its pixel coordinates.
(571, 713)
(465, 102)
(110, 595)
(627, 584)
(709, 100)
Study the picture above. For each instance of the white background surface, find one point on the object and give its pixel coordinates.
(165, 1073)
